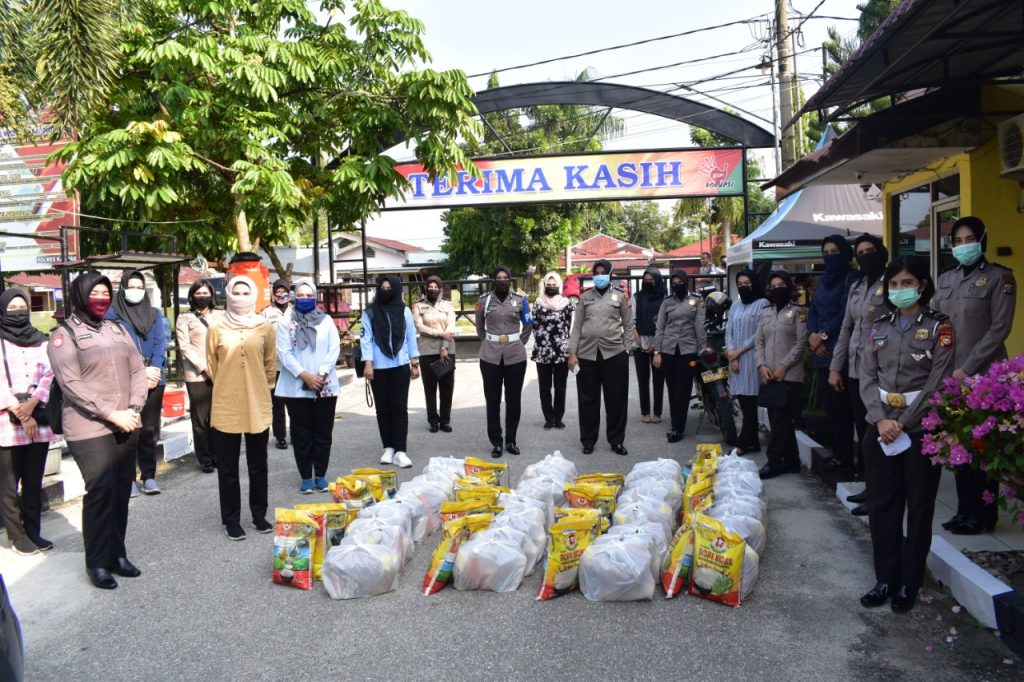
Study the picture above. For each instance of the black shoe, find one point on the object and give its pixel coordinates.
(859, 498)
(126, 569)
(282, 444)
(833, 464)
(447, 428)
(861, 510)
(972, 527)
(434, 428)
(768, 471)
(549, 424)
(876, 597)
(903, 600)
(101, 578)
(208, 468)
(235, 532)
(42, 543)
(496, 452)
(620, 449)
(674, 436)
(954, 522)
(559, 424)
(588, 449)
(510, 448)
(263, 526)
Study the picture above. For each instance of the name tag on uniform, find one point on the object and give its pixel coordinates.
(880, 342)
(83, 337)
(922, 334)
(615, 298)
(789, 314)
(692, 302)
(981, 281)
(879, 291)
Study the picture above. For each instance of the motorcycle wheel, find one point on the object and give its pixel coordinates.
(726, 421)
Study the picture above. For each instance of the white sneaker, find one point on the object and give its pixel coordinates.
(402, 460)
(388, 457)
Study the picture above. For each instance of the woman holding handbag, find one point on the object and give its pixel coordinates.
(191, 328)
(435, 323)
(552, 322)
(24, 441)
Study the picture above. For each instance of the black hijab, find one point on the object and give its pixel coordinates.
(784, 276)
(141, 315)
(648, 303)
(388, 316)
(756, 290)
(20, 332)
(882, 259)
(680, 275)
(196, 286)
(80, 289)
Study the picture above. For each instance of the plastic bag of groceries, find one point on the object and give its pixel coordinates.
(453, 467)
(567, 541)
(397, 512)
(744, 480)
(554, 484)
(514, 501)
(659, 468)
(554, 465)
(358, 570)
(646, 511)
(750, 529)
(417, 512)
(380, 532)
(430, 494)
(737, 505)
(652, 532)
(528, 520)
(523, 541)
(669, 492)
(735, 463)
(442, 563)
(675, 568)
(490, 561)
(540, 489)
(617, 568)
(725, 568)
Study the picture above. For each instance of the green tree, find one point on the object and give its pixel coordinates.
(248, 117)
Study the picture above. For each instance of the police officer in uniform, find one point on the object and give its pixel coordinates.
(979, 297)
(435, 323)
(866, 302)
(103, 380)
(600, 343)
(779, 346)
(503, 323)
(679, 335)
(910, 351)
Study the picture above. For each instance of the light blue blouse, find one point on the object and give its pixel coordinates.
(369, 348)
(317, 359)
(740, 333)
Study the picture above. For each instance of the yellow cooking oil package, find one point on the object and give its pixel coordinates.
(374, 483)
(352, 491)
(696, 497)
(456, 532)
(332, 519)
(483, 479)
(567, 540)
(675, 569)
(294, 547)
(388, 479)
(603, 479)
(488, 493)
(717, 562)
(709, 450)
(475, 466)
(592, 496)
(562, 513)
(452, 510)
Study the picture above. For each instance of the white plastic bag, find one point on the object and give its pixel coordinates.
(733, 463)
(394, 511)
(489, 561)
(554, 465)
(744, 480)
(749, 528)
(540, 489)
(646, 511)
(525, 543)
(379, 532)
(738, 506)
(751, 567)
(663, 489)
(420, 520)
(453, 467)
(617, 568)
(529, 521)
(659, 468)
(652, 532)
(356, 570)
(430, 494)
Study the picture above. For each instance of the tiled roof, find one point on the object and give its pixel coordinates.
(35, 280)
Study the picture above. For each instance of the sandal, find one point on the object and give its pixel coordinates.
(655, 420)
(646, 419)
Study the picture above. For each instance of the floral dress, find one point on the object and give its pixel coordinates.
(551, 335)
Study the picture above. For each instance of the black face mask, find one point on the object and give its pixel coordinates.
(781, 296)
(647, 287)
(679, 290)
(551, 292)
(432, 295)
(17, 318)
(202, 302)
(746, 294)
(873, 262)
(502, 285)
(385, 296)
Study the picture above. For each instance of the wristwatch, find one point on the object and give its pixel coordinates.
(137, 409)
(823, 335)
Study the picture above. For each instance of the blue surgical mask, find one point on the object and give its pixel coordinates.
(904, 298)
(602, 281)
(305, 305)
(967, 254)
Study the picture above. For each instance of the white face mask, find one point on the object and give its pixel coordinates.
(134, 296)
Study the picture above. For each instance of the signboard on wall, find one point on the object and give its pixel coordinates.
(32, 200)
(605, 176)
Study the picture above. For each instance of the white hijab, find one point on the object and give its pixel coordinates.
(240, 311)
(555, 303)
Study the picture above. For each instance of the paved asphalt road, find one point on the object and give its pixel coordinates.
(205, 607)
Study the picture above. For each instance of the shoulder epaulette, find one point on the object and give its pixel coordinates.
(936, 315)
(885, 316)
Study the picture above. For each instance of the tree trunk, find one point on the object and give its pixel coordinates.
(275, 260)
(242, 227)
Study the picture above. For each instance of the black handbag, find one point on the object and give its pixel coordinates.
(773, 395)
(441, 368)
(40, 414)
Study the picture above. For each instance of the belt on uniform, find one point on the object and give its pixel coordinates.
(503, 338)
(898, 400)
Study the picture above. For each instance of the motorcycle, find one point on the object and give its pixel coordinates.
(711, 368)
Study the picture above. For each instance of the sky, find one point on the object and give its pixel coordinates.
(478, 37)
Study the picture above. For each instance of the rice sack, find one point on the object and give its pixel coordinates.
(718, 555)
(388, 479)
(675, 569)
(332, 519)
(294, 546)
(592, 496)
(566, 543)
(352, 491)
(476, 467)
(456, 532)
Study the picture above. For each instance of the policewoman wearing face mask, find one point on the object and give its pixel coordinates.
(599, 343)
(145, 325)
(435, 323)
(979, 297)
(910, 351)
(308, 346)
(104, 386)
(552, 322)
(503, 324)
(280, 305)
(679, 335)
(740, 339)
(865, 302)
(646, 305)
(780, 344)
(190, 329)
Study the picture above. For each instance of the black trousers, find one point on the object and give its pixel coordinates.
(839, 416)
(553, 375)
(431, 386)
(907, 482)
(970, 485)
(749, 439)
(679, 377)
(782, 449)
(22, 464)
(149, 433)
(511, 377)
(277, 411)
(391, 399)
(645, 371)
(226, 452)
(200, 396)
(107, 464)
(312, 427)
(609, 376)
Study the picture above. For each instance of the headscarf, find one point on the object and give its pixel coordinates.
(21, 333)
(306, 323)
(756, 290)
(436, 280)
(388, 321)
(199, 284)
(555, 303)
(784, 276)
(279, 284)
(241, 312)
(837, 275)
(607, 266)
(141, 315)
(879, 248)
(975, 225)
(80, 289)
(678, 274)
(648, 303)
(507, 271)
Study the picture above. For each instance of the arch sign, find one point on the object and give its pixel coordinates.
(605, 176)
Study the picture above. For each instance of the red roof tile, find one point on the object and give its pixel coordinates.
(35, 280)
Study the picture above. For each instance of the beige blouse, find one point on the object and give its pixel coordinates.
(191, 334)
(432, 320)
(243, 366)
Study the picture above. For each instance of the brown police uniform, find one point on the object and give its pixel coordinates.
(679, 334)
(432, 320)
(503, 339)
(781, 340)
(190, 330)
(865, 303)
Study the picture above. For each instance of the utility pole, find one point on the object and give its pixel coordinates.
(785, 80)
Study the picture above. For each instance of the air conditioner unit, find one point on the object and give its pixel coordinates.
(1011, 148)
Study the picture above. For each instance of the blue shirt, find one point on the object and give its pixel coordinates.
(320, 358)
(153, 348)
(371, 351)
(740, 334)
(826, 315)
